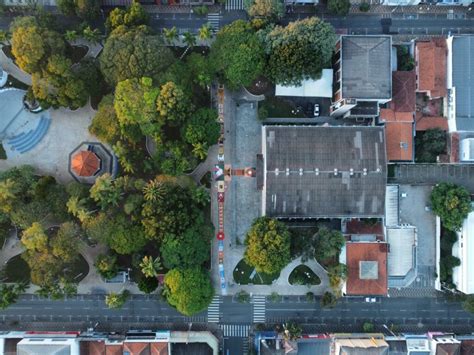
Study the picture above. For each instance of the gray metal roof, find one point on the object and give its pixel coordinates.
(314, 346)
(366, 67)
(463, 81)
(43, 349)
(315, 171)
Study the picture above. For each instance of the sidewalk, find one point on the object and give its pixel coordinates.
(416, 9)
(11, 68)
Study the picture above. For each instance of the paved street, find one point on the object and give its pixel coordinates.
(405, 313)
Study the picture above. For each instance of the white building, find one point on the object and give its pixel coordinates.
(463, 275)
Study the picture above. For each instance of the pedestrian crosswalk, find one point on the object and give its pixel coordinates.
(259, 309)
(214, 19)
(245, 346)
(235, 330)
(234, 5)
(213, 311)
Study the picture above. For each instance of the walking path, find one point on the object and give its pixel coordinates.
(94, 49)
(282, 286)
(11, 68)
(205, 166)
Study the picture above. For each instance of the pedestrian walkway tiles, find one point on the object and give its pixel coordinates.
(259, 309)
(213, 311)
(214, 20)
(235, 330)
(234, 5)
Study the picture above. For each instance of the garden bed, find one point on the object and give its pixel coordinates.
(303, 275)
(245, 274)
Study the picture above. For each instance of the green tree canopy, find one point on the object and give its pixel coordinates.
(189, 290)
(135, 104)
(268, 245)
(339, 7)
(58, 86)
(106, 265)
(202, 129)
(32, 45)
(133, 54)
(135, 15)
(172, 104)
(192, 248)
(269, 9)
(87, 9)
(452, 203)
(429, 144)
(147, 284)
(237, 54)
(150, 266)
(105, 125)
(172, 212)
(116, 300)
(299, 51)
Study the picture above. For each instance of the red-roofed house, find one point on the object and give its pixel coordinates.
(404, 91)
(366, 268)
(398, 134)
(429, 122)
(431, 59)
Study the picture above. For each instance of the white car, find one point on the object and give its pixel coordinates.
(316, 110)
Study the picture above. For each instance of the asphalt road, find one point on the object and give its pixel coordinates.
(349, 314)
(417, 24)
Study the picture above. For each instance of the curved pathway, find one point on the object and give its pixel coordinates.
(11, 68)
(283, 287)
(205, 166)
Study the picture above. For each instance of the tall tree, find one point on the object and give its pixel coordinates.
(205, 32)
(202, 130)
(58, 86)
(299, 51)
(87, 9)
(268, 245)
(237, 54)
(133, 54)
(105, 125)
(150, 266)
(192, 248)
(135, 15)
(171, 34)
(268, 9)
(189, 290)
(32, 45)
(339, 7)
(172, 104)
(452, 203)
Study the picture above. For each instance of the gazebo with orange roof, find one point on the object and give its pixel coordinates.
(85, 163)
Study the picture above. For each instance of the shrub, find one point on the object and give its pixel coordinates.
(148, 284)
(364, 7)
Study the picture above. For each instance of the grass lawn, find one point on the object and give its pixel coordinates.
(303, 275)
(277, 107)
(243, 272)
(17, 270)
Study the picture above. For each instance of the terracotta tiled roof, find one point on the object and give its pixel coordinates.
(448, 349)
(159, 348)
(431, 67)
(363, 252)
(137, 348)
(467, 347)
(85, 163)
(399, 141)
(114, 349)
(428, 122)
(93, 347)
(390, 115)
(403, 91)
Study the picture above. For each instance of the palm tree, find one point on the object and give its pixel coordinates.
(77, 207)
(171, 34)
(92, 35)
(150, 266)
(71, 36)
(200, 150)
(153, 190)
(205, 32)
(189, 38)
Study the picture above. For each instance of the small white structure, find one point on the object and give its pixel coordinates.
(309, 88)
(3, 77)
(463, 275)
(48, 346)
(467, 150)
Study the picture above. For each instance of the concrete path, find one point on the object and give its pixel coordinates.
(206, 165)
(11, 68)
(282, 286)
(94, 49)
(11, 248)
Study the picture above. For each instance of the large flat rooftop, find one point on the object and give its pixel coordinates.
(316, 171)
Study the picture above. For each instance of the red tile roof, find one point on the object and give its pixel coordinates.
(403, 91)
(357, 252)
(399, 141)
(428, 122)
(85, 163)
(96, 347)
(114, 349)
(431, 67)
(390, 115)
(467, 347)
